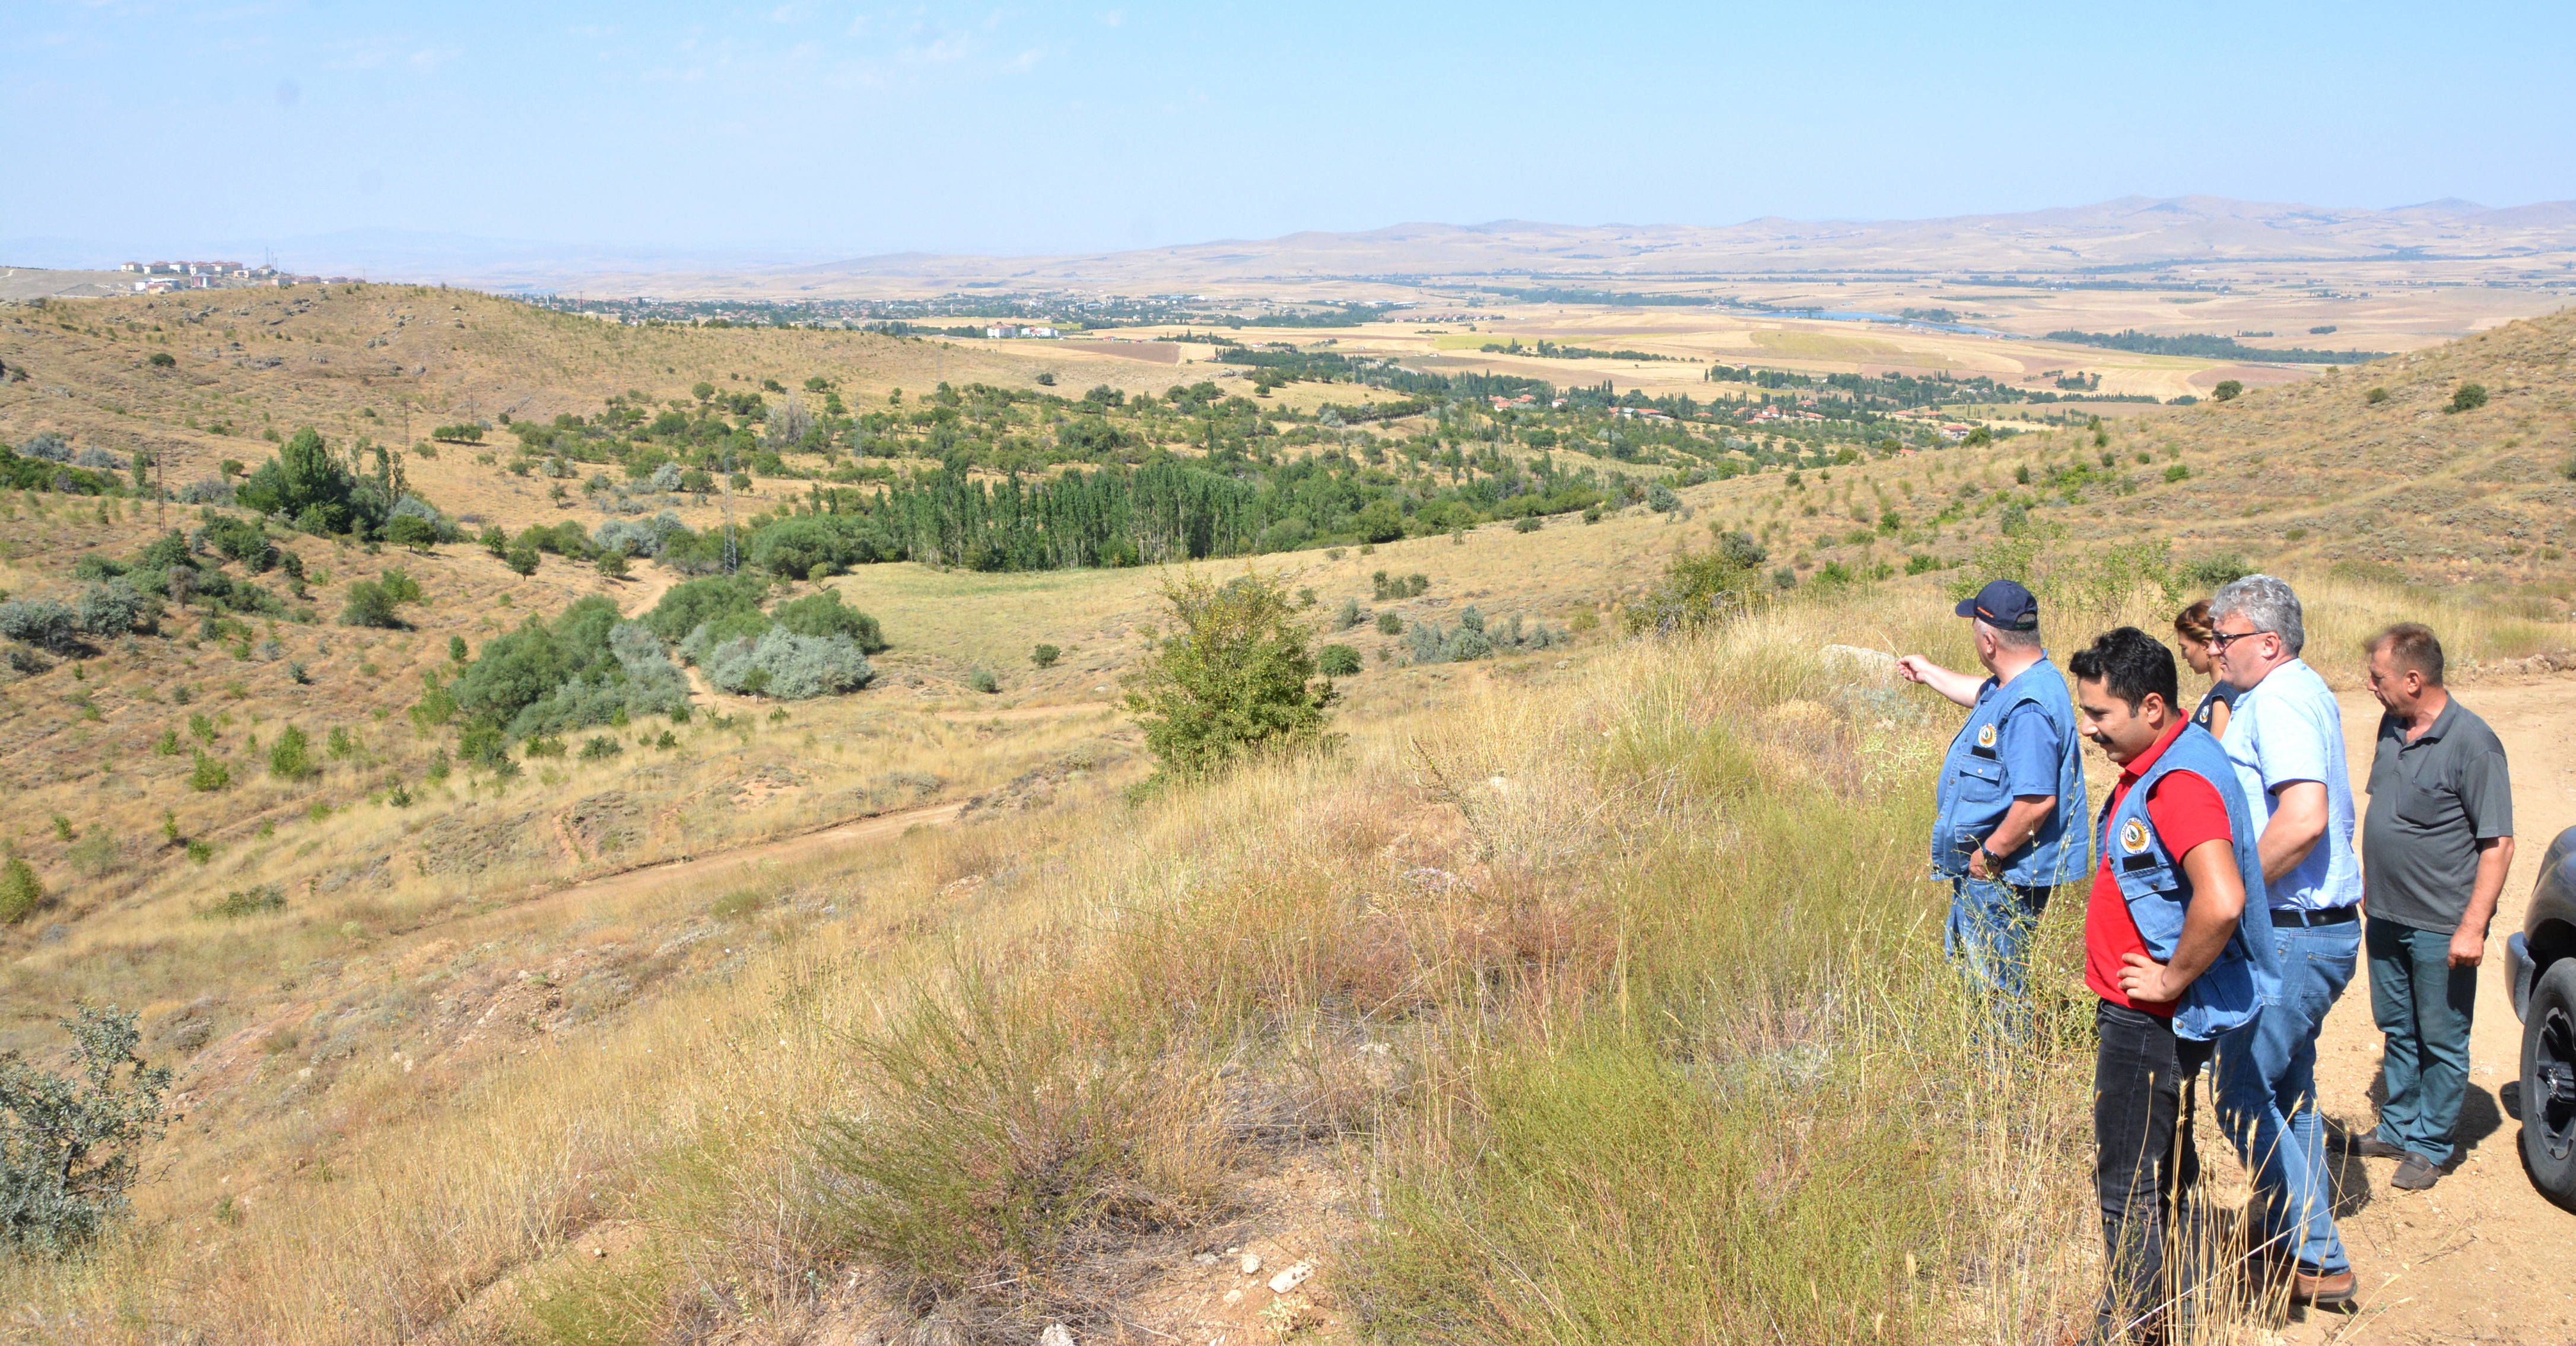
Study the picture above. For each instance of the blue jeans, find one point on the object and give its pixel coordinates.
(1989, 936)
(2423, 1004)
(2267, 1092)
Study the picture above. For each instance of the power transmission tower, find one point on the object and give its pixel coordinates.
(728, 512)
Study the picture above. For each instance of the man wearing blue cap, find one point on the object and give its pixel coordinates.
(2013, 777)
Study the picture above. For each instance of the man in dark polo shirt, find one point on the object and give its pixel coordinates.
(2434, 851)
(2175, 956)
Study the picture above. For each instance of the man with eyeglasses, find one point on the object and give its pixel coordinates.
(2285, 740)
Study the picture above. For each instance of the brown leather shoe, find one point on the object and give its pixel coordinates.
(2368, 1145)
(2323, 1291)
(2415, 1173)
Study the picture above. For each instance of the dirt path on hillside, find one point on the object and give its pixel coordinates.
(785, 850)
(2482, 1256)
(1019, 714)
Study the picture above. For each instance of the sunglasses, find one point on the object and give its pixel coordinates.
(2220, 640)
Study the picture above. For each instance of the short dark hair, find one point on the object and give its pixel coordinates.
(2130, 664)
(2411, 645)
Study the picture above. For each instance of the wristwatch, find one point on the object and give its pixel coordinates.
(1993, 861)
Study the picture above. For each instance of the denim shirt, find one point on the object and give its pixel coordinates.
(1973, 795)
(2246, 975)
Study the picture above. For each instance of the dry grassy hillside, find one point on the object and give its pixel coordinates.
(500, 1065)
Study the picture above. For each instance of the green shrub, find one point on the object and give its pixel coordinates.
(1337, 661)
(545, 747)
(1389, 624)
(97, 854)
(1700, 587)
(69, 1143)
(209, 774)
(200, 851)
(370, 605)
(600, 748)
(291, 757)
(824, 614)
(1233, 679)
(266, 897)
(2469, 397)
(340, 743)
(412, 531)
(20, 890)
(2228, 390)
(2375, 396)
(1527, 523)
(982, 680)
(1044, 656)
(2178, 472)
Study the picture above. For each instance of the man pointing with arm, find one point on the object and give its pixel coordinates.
(2011, 780)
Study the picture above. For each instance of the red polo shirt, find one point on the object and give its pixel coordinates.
(2185, 810)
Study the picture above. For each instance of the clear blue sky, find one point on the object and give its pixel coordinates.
(845, 130)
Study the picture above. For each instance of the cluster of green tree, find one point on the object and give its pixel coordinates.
(1349, 315)
(1169, 509)
(590, 667)
(1928, 315)
(1614, 298)
(1552, 351)
(1859, 395)
(2210, 346)
(910, 329)
(322, 493)
(35, 472)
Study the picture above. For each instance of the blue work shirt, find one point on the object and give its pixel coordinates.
(2285, 729)
(2019, 740)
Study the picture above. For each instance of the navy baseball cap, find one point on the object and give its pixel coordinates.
(2004, 605)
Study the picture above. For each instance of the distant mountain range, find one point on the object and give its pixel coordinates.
(2132, 234)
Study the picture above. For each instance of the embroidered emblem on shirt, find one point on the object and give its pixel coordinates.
(1985, 736)
(2133, 837)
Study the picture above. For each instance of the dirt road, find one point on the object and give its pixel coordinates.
(785, 850)
(2482, 1256)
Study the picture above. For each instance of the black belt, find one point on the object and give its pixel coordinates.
(2293, 916)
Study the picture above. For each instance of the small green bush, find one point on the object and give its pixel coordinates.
(1337, 661)
(209, 774)
(2228, 390)
(2469, 397)
(291, 757)
(545, 746)
(1044, 656)
(982, 680)
(1389, 624)
(2375, 396)
(20, 890)
(266, 897)
(1527, 523)
(600, 748)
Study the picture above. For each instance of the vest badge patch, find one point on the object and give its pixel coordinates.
(2133, 836)
(1985, 736)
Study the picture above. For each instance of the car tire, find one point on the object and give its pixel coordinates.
(2549, 1083)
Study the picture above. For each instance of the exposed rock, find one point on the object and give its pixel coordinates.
(1291, 1278)
(1056, 1334)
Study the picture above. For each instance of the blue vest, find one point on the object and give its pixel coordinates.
(2246, 975)
(1973, 797)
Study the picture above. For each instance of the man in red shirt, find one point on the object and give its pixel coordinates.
(2165, 948)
